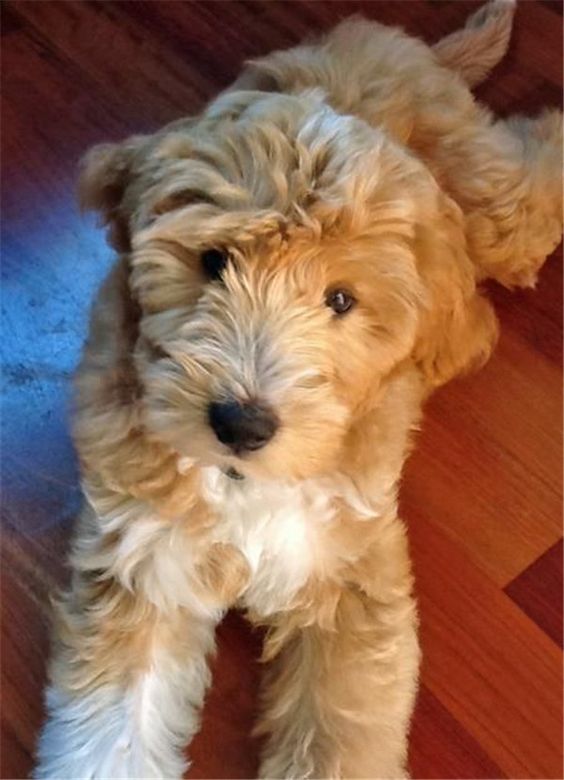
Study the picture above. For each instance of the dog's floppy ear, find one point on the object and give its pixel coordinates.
(458, 327)
(104, 174)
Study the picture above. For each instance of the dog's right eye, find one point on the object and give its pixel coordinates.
(214, 262)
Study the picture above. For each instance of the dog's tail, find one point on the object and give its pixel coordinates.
(482, 42)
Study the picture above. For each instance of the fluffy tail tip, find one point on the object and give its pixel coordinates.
(477, 48)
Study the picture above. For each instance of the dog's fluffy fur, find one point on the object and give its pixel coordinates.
(360, 162)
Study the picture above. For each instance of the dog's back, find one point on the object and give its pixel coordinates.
(419, 95)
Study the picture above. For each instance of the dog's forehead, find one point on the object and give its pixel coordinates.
(262, 153)
(268, 158)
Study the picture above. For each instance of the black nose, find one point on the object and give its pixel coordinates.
(242, 426)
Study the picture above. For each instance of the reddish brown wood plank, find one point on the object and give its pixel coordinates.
(535, 314)
(441, 747)
(498, 493)
(494, 670)
(24, 650)
(224, 747)
(538, 591)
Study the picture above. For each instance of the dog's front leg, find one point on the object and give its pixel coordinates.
(339, 692)
(125, 703)
(128, 676)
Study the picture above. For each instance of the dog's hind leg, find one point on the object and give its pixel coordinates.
(507, 178)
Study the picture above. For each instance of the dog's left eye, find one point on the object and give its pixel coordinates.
(214, 262)
(341, 301)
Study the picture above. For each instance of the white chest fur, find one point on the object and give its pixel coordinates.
(284, 531)
(279, 528)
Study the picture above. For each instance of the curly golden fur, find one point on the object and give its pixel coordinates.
(358, 166)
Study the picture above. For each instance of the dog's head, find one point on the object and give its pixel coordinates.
(285, 260)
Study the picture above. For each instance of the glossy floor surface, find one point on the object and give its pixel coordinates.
(482, 494)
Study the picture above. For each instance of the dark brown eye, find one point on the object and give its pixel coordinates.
(341, 301)
(214, 262)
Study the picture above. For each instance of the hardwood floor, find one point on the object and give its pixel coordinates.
(482, 493)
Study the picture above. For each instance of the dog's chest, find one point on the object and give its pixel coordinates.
(279, 528)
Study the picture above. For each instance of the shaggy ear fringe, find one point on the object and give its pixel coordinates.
(459, 327)
(462, 341)
(104, 174)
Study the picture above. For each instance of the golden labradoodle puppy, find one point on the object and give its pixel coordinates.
(297, 269)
